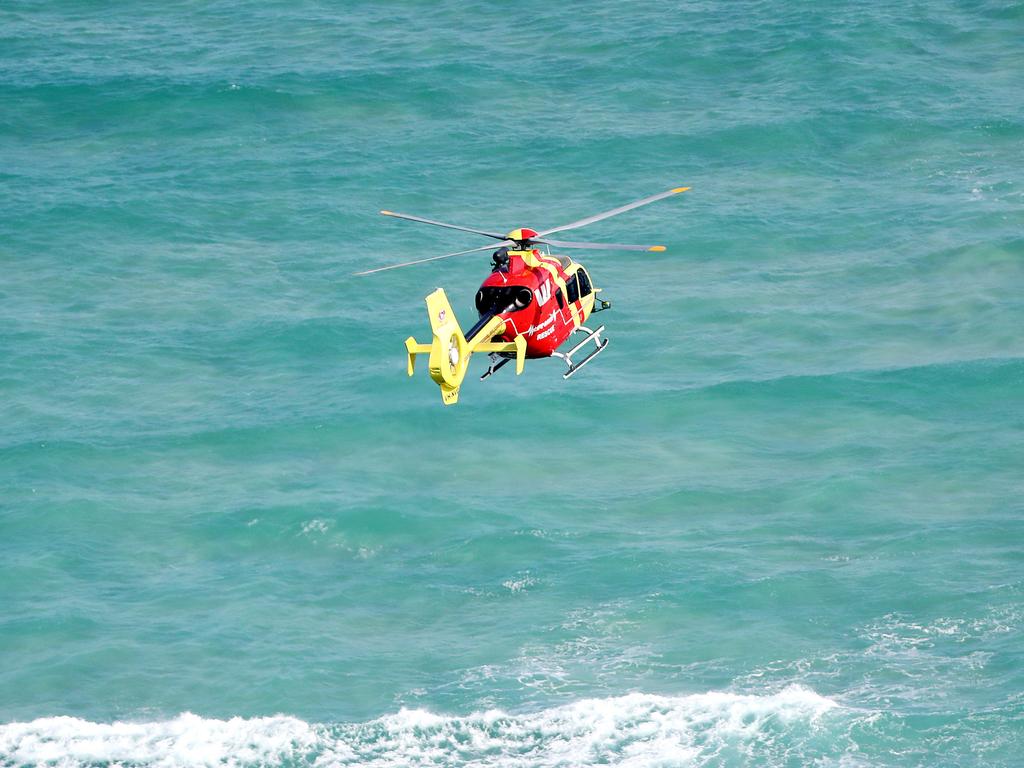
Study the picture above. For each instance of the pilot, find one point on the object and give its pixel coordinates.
(500, 259)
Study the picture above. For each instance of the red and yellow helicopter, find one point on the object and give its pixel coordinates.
(529, 306)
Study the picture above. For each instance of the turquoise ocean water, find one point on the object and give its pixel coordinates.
(778, 523)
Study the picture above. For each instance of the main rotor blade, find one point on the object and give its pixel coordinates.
(601, 246)
(435, 258)
(442, 224)
(613, 211)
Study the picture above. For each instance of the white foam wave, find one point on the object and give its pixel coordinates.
(633, 730)
(188, 740)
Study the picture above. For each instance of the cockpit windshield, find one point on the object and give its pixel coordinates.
(503, 298)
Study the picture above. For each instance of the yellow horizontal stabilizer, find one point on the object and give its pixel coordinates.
(413, 348)
(496, 346)
(517, 345)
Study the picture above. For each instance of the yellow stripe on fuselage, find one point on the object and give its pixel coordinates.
(541, 262)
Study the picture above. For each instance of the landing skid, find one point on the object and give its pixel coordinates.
(592, 336)
(498, 360)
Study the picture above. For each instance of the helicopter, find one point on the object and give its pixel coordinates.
(531, 304)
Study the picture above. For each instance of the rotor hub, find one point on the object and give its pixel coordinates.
(521, 235)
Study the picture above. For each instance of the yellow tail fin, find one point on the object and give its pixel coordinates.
(449, 354)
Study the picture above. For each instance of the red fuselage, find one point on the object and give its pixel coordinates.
(544, 298)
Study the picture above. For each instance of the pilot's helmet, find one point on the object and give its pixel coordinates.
(500, 259)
